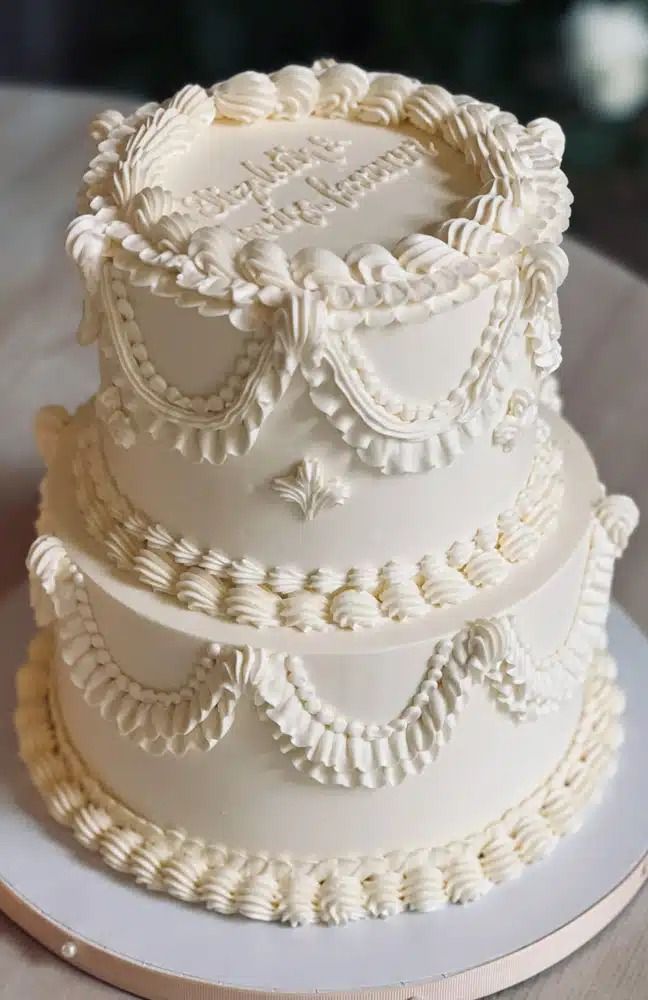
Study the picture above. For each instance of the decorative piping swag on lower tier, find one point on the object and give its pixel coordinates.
(327, 891)
(318, 740)
(244, 591)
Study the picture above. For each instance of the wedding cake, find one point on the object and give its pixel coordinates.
(322, 575)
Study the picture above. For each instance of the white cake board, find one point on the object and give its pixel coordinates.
(157, 947)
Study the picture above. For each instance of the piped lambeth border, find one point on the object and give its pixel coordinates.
(516, 220)
(332, 891)
(385, 430)
(244, 591)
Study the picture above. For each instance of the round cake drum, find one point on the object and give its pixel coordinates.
(156, 947)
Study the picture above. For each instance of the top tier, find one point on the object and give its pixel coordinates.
(389, 198)
(370, 268)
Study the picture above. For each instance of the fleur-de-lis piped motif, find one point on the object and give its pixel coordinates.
(307, 487)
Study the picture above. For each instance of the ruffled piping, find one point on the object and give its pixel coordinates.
(205, 436)
(524, 198)
(317, 739)
(395, 445)
(336, 372)
(328, 891)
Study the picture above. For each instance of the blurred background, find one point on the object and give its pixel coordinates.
(583, 62)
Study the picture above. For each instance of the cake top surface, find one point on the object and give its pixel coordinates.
(317, 182)
(370, 188)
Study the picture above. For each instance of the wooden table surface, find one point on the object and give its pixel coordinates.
(604, 375)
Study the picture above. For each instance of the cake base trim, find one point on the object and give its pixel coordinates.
(329, 891)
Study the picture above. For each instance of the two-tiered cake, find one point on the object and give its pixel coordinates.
(323, 576)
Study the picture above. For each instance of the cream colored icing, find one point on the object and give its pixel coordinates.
(319, 740)
(523, 198)
(242, 203)
(49, 422)
(393, 433)
(521, 412)
(355, 597)
(365, 675)
(549, 394)
(303, 312)
(196, 354)
(334, 890)
(307, 487)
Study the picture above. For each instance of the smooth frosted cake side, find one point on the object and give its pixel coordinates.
(322, 575)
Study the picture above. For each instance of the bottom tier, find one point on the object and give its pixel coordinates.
(334, 890)
(324, 776)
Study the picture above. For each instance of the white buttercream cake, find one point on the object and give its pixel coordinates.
(322, 575)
